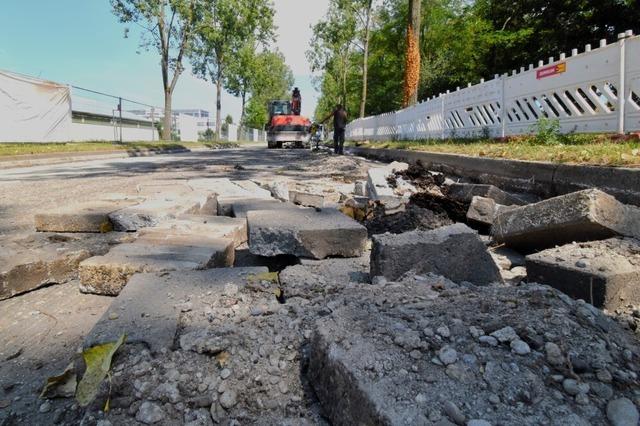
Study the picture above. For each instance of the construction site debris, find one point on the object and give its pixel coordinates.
(604, 273)
(454, 251)
(306, 233)
(580, 216)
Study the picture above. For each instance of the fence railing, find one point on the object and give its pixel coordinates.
(594, 91)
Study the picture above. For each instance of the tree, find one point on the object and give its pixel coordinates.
(412, 64)
(168, 28)
(221, 33)
(331, 47)
(272, 79)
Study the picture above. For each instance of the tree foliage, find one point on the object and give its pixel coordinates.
(461, 41)
(167, 27)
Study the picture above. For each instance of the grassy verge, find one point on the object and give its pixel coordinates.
(12, 149)
(594, 150)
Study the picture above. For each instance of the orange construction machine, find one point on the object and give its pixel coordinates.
(286, 125)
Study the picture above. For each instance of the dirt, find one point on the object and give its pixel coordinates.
(414, 217)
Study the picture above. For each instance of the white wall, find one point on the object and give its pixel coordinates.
(80, 132)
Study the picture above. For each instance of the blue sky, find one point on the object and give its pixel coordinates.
(80, 42)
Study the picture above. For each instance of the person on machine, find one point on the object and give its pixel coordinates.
(339, 125)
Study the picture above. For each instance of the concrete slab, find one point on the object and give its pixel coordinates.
(305, 233)
(455, 252)
(307, 199)
(253, 188)
(378, 188)
(85, 217)
(580, 216)
(149, 308)
(205, 227)
(239, 207)
(150, 189)
(35, 261)
(229, 192)
(603, 273)
(464, 192)
(483, 211)
(155, 210)
(110, 273)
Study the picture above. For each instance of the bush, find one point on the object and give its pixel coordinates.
(547, 132)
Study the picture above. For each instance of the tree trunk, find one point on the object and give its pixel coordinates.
(365, 63)
(218, 106)
(412, 64)
(244, 102)
(166, 122)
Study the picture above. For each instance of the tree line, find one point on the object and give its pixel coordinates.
(376, 56)
(227, 42)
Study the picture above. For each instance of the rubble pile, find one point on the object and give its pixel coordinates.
(404, 297)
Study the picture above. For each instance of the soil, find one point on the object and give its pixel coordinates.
(414, 217)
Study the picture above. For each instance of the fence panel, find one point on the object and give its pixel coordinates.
(632, 84)
(474, 111)
(580, 91)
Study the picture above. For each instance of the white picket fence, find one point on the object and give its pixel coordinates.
(581, 91)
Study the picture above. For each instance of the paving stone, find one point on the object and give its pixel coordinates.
(229, 192)
(155, 210)
(239, 207)
(448, 251)
(148, 309)
(110, 273)
(603, 273)
(305, 233)
(223, 227)
(483, 211)
(86, 217)
(35, 261)
(580, 216)
(163, 187)
(307, 199)
(464, 192)
(378, 187)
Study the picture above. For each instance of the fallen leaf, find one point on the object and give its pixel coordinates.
(98, 361)
(223, 358)
(62, 386)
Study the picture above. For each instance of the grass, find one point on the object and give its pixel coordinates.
(599, 150)
(14, 149)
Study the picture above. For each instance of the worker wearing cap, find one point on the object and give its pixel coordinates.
(339, 125)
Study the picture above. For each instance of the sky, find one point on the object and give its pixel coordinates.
(80, 42)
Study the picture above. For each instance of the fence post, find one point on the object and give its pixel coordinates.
(622, 91)
(444, 121)
(153, 126)
(120, 110)
(503, 107)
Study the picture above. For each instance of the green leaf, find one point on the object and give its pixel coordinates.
(98, 361)
(62, 386)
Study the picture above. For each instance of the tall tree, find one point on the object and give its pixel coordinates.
(221, 33)
(412, 64)
(242, 73)
(272, 79)
(168, 28)
(331, 46)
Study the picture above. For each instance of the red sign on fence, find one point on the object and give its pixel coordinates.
(552, 70)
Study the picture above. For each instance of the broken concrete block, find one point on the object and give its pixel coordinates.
(83, 219)
(35, 261)
(305, 233)
(110, 273)
(455, 252)
(155, 210)
(378, 186)
(207, 227)
(580, 216)
(255, 190)
(360, 189)
(307, 199)
(240, 207)
(148, 310)
(464, 192)
(483, 211)
(603, 273)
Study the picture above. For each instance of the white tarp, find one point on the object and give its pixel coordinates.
(33, 110)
